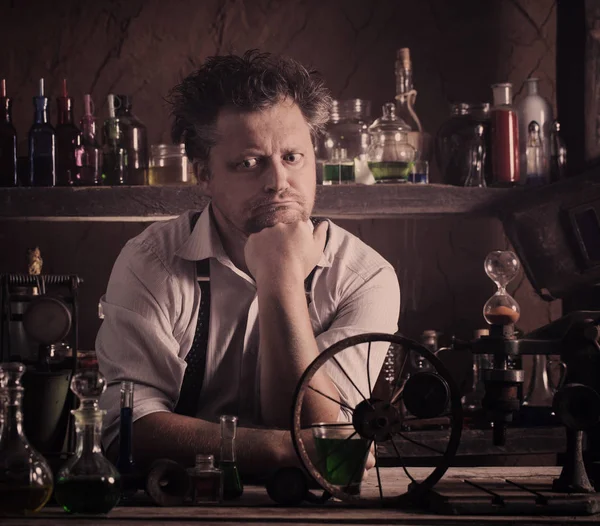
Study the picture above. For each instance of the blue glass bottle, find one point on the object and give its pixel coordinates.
(42, 144)
(8, 141)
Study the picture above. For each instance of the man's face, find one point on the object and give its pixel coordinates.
(262, 169)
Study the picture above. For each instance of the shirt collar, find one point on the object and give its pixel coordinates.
(196, 248)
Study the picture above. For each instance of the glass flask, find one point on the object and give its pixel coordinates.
(390, 157)
(25, 477)
(346, 142)
(134, 141)
(88, 482)
(534, 154)
(501, 309)
(232, 483)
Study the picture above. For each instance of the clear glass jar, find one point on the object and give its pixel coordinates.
(390, 157)
(169, 165)
(346, 142)
(207, 480)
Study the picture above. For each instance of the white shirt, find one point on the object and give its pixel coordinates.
(151, 310)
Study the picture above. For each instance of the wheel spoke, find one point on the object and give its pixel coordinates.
(369, 370)
(347, 376)
(402, 462)
(320, 461)
(416, 443)
(346, 406)
(358, 465)
(377, 470)
(396, 395)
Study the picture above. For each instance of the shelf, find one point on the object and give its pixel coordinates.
(150, 203)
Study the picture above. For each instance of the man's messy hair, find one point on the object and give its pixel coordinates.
(251, 82)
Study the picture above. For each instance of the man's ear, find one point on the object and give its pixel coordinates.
(202, 173)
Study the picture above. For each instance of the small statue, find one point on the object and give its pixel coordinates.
(34, 262)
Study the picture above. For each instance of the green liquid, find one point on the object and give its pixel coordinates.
(88, 494)
(338, 173)
(392, 172)
(22, 500)
(343, 461)
(232, 483)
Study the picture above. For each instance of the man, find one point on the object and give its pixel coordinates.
(248, 124)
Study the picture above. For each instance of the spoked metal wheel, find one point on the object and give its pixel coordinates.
(382, 418)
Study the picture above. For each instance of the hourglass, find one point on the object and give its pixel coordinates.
(501, 309)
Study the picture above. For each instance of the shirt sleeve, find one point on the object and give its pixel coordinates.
(135, 341)
(373, 306)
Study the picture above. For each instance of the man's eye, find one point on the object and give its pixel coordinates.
(293, 158)
(246, 164)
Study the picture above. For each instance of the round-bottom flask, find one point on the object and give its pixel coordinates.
(25, 477)
(88, 482)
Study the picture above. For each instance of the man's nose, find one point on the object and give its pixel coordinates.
(276, 177)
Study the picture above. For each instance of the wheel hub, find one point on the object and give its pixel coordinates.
(376, 420)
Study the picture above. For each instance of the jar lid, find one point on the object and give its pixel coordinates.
(389, 122)
(167, 150)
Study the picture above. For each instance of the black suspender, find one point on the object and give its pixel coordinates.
(196, 358)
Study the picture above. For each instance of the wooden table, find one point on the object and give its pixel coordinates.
(255, 507)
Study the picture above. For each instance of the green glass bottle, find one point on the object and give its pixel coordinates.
(232, 482)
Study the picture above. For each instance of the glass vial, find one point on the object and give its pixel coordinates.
(8, 140)
(114, 158)
(91, 156)
(232, 482)
(505, 138)
(206, 481)
(42, 144)
(125, 463)
(476, 156)
(534, 156)
(25, 477)
(68, 142)
(558, 154)
(88, 482)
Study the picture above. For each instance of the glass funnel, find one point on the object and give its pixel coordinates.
(25, 477)
(88, 482)
(501, 309)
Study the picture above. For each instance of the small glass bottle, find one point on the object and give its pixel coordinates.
(25, 477)
(169, 165)
(406, 96)
(390, 157)
(91, 156)
(42, 144)
(534, 155)
(476, 155)
(505, 138)
(232, 482)
(88, 482)
(346, 142)
(125, 463)
(114, 158)
(558, 154)
(68, 142)
(206, 480)
(8, 140)
(134, 140)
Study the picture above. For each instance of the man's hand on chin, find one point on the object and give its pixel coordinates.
(292, 249)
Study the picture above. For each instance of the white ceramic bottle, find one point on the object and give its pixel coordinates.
(534, 107)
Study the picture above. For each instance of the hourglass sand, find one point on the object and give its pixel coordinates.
(501, 309)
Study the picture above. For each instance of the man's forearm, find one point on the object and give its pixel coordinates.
(287, 348)
(180, 438)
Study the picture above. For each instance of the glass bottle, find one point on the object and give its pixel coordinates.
(42, 144)
(534, 156)
(114, 158)
(346, 142)
(207, 480)
(8, 140)
(534, 107)
(476, 155)
(232, 483)
(25, 477)
(68, 142)
(505, 138)
(88, 482)
(125, 464)
(169, 165)
(390, 156)
(501, 266)
(134, 141)
(406, 96)
(91, 158)
(558, 154)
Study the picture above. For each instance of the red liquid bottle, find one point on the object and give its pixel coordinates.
(8, 141)
(505, 138)
(68, 143)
